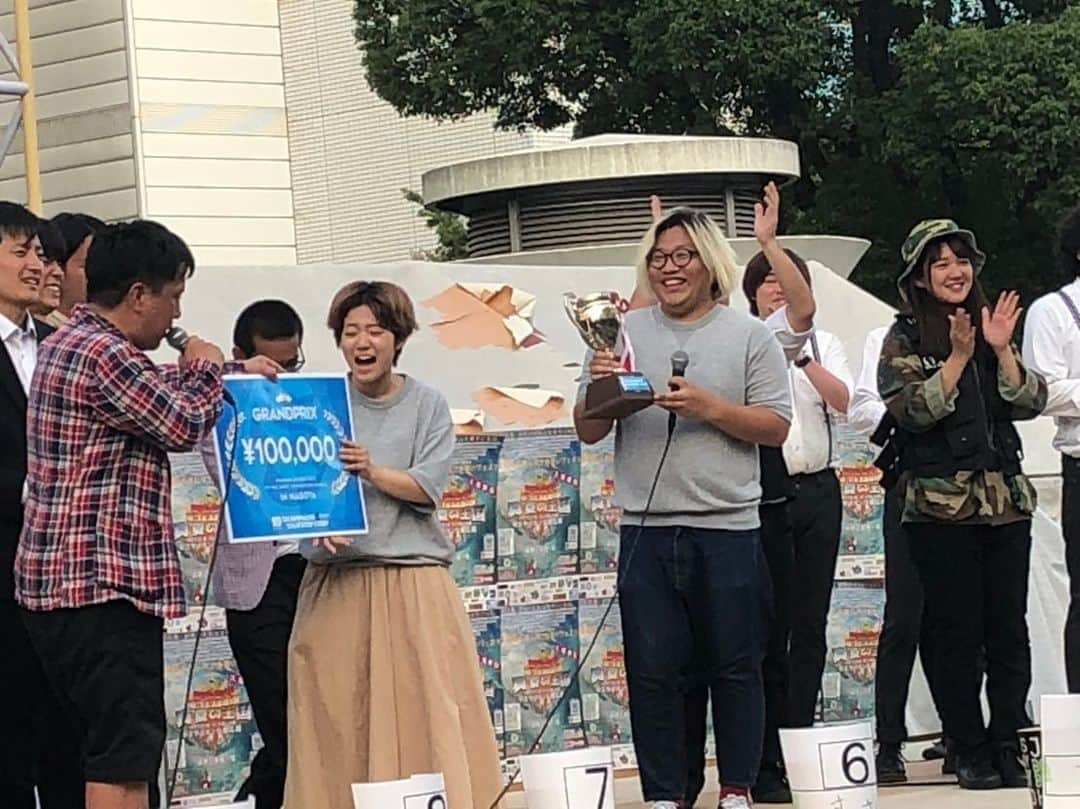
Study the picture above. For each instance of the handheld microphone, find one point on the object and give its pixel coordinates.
(679, 361)
(177, 338)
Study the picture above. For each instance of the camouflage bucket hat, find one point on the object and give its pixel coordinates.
(930, 230)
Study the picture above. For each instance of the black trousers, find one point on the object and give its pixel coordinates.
(905, 629)
(39, 746)
(816, 513)
(260, 642)
(976, 583)
(1070, 527)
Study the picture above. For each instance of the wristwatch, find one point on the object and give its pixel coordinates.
(803, 361)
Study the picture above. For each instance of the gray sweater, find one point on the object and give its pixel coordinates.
(709, 480)
(410, 430)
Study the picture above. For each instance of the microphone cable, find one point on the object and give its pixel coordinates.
(624, 567)
(171, 783)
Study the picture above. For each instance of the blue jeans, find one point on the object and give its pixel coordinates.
(695, 604)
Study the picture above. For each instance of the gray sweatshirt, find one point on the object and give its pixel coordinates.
(410, 430)
(709, 480)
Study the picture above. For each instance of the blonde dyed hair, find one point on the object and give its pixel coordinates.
(708, 239)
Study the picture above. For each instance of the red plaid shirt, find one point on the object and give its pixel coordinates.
(101, 421)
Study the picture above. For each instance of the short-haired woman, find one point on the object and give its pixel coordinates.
(951, 377)
(384, 681)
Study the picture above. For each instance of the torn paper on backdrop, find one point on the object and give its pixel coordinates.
(531, 407)
(467, 422)
(476, 315)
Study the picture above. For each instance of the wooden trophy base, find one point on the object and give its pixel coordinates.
(617, 396)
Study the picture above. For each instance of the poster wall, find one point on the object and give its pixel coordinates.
(535, 529)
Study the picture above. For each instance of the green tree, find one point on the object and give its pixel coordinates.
(450, 231)
(901, 108)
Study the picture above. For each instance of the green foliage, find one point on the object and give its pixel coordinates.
(902, 109)
(449, 230)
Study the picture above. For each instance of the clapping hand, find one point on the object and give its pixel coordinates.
(998, 326)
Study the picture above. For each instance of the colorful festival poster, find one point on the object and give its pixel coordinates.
(538, 505)
(196, 507)
(862, 544)
(599, 514)
(467, 509)
(487, 631)
(605, 702)
(220, 737)
(851, 637)
(539, 657)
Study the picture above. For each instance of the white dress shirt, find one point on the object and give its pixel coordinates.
(1052, 348)
(791, 341)
(866, 408)
(21, 345)
(808, 447)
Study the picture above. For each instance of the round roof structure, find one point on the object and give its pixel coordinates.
(596, 190)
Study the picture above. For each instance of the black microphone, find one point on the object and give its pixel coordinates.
(679, 361)
(178, 338)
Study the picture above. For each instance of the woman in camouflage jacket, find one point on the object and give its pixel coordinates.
(954, 382)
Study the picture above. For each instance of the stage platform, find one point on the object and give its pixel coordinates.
(928, 790)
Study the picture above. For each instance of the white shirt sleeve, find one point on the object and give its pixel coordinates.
(791, 341)
(866, 408)
(834, 360)
(1045, 341)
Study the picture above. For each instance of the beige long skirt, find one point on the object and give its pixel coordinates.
(384, 683)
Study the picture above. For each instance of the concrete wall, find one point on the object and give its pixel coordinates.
(211, 128)
(84, 108)
(351, 151)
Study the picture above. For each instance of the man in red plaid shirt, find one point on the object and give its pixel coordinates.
(97, 569)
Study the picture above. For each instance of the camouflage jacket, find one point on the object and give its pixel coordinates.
(916, 398)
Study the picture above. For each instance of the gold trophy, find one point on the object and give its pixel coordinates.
(599, 321)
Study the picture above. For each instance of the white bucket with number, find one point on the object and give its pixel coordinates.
(425, 791)
(1061, 751)
(572, 779)
(831, 766)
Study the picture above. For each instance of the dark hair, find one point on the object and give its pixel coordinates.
(758, 268)
(134, 252)
(52, 241)
(270, 320)
(75, 227)
(17, 222)
(1069, 242)
(932, 315)
(391, 305)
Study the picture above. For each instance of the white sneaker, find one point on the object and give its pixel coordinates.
(735, 802)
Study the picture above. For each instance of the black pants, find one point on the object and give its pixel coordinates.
(1070, 527)
(694, 603)
(260, 642)
(906, 627)
(779, 551)
(816, 513)
(976, 583)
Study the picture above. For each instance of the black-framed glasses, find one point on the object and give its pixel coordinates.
(680, 257)
(298, 363)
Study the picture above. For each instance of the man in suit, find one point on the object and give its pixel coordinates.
(258, 583)
(36, 747)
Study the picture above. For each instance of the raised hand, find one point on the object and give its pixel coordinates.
(962, 334)
(767, 215)
(655, 208)
(998, 326)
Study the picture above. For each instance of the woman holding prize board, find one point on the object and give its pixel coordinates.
(384, 682)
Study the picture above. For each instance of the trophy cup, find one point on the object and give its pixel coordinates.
(599, 321)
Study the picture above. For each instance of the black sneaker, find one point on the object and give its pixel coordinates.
(934, 751)
(1009, 767)
(975, 771)
(890, 765)
(771, 787)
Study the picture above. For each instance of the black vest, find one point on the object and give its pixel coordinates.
(977, 436)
